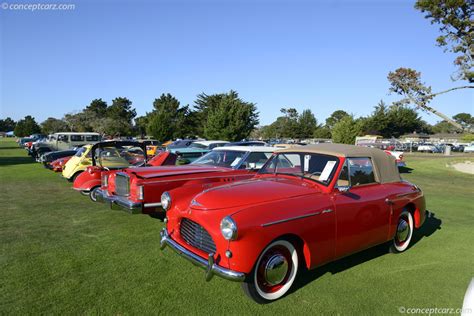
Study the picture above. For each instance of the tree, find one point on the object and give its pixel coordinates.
(307, 124)
(346, 130)
(202, 106)
(322, 132)
(26, 127)
(288, 124)
(230, 118)
(121, 114)
(465, 119)
(53, 125)
(455, 20)
(167, 120)
(444, 127)
(78, 122)
(407, 83)
(335, 117)
(98, 107)
(7, 125)
(141, 124)
(393, 121)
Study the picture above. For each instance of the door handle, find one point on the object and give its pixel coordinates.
(389, 202)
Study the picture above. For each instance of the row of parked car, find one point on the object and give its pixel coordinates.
(440, 148)
(253, 213)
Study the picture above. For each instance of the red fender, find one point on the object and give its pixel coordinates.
(89, 179)
(164, 158)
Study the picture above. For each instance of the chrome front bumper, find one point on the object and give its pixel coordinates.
(209, 265)
(119, 202)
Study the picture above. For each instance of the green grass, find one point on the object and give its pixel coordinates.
(62, 254)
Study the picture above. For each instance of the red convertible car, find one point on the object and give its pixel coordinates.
(307, 206)
(130, 153)
(139, 189)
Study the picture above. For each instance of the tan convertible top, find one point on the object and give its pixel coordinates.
(385, 165)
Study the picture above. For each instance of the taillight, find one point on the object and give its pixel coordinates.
(140, 192)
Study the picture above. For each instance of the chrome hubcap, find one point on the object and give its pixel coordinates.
(276, 269)
(403, 230)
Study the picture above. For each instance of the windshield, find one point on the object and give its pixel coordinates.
(81, 151)
(119, 157)
(234, 159)
(198, 145)
(221, 158)
(317, 167)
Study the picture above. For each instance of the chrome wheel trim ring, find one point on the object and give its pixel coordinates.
(291, 275)
(276, 269)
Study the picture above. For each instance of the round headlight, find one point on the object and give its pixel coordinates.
(228, 228)
(165, 201)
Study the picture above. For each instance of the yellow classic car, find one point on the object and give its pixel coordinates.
(110, 158)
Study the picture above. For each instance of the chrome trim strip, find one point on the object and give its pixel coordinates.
(151, 204)
(164, 179)
(290, 219)
(408, 193)
(119, 202)
(326, 211)
(207, 264)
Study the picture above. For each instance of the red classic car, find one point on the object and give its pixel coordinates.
(307, 206)
(58, 164)
(139, 189)
(131, 154)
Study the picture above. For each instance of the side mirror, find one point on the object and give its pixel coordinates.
(344, 188)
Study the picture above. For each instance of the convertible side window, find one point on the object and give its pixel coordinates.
(343, 180)
(257, 159)
(361, 171)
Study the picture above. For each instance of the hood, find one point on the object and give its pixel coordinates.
(252, 192)
(166, 171)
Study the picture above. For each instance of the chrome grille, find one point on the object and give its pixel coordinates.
(122, 184)
(195, 235)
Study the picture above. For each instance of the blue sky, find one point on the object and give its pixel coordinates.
(321, 55)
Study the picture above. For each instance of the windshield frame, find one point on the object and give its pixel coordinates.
(302, 176)
(108, 144)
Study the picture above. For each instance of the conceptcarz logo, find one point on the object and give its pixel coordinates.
(38, 6)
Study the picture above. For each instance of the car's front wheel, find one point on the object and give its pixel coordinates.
(93, 194)
(404, 232)
(274, 272)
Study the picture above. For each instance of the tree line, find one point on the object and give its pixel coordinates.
(342, 127)
(216, 116)
(226, 116)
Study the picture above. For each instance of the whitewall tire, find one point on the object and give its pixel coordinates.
(403, 232)
(274, 272)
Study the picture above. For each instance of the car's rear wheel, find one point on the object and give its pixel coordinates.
(74, 177)
(403, 233)
(93, 194)
(274, 272)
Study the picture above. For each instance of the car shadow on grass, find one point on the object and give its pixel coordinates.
(9, 161)
(157, 215)
(405, 169)
(429, 227)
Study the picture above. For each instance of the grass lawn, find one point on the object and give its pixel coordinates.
(63, 254)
